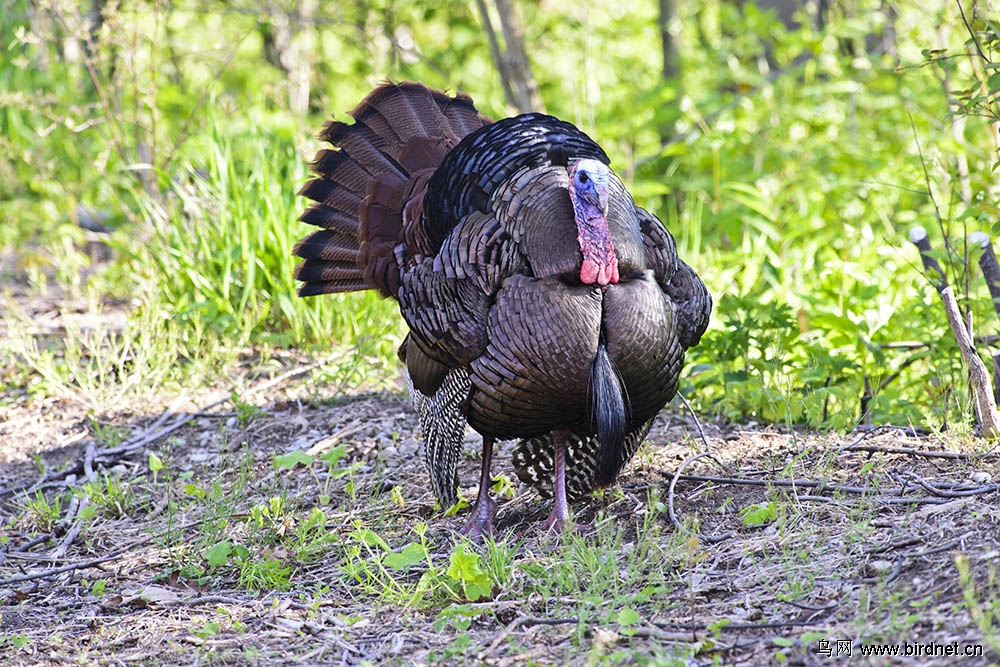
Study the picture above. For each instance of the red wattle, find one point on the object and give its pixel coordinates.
(600, 272)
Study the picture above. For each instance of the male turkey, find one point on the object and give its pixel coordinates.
(542, 303)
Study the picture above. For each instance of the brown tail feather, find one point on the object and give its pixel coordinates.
(338, 166)
(414, 110)
(333, 287)
(331, 218)
(363, 146)
(362, 189)
(328, 246)
(462, 115)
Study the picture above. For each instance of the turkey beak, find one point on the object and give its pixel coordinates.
(601, 190)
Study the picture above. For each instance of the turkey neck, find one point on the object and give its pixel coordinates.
(600, 264)
(588, 190)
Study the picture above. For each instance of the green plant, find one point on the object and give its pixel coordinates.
(245, 412)
(41, 511)
(759, 514)
(110, 495)
(107, 435)
(981, 601)
(334, 472)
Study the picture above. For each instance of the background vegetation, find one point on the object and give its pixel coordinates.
(789, 164)
(150, 152)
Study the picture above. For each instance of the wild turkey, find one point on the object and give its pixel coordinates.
(542, 303)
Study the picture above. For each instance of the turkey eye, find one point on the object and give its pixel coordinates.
(583, 177)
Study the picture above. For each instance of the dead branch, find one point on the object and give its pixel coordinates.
(950, 493)
(919, 238)
(74, 530)
(991, 272)
(892, 546)
(740, 627)
(117, 553)
(948, 546)
(522, 620)
(710, 539)
(939, 494)
(697, 422)
(74, 566)
(979, 378)
(908, 451)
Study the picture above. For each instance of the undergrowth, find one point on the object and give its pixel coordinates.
(789, 190)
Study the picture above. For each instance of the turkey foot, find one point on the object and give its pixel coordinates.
(484, 512)
(480, 522)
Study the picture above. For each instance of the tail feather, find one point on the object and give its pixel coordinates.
(332, 194)
(328, 271)
(412, 108)
(337, 166)
(461, 113)
(376, 172)
(363, 145)
(609, 404)
(327, 245)
(331, 218)
(334, 287)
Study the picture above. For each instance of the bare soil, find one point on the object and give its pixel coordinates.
(881, 537)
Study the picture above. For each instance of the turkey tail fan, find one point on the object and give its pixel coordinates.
(363, 185)
(610, 407)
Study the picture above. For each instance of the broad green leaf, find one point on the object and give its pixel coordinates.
(292, 459)
(218, 553)
(628, 616)
(465, 567)
(409, 556)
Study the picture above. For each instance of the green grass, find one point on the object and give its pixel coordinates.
(793, 203)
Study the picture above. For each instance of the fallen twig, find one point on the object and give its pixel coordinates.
(74, 515)
(670, 500)
(74, 566)
(908, 451)
(936, 550)
(155, 431)
(93, 455)
(951, 493)
(738, 627)
(91, 562)
(522, 620)
(940, 496)
(697, 422)
(891, 546)
(149, 436)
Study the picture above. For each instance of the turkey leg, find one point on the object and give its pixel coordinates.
(559, 516)
(480, 522)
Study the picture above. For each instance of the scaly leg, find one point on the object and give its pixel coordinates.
(480, 522)
(558, 519)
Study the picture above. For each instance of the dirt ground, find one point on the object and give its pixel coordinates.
(881, 537)
(873, 538)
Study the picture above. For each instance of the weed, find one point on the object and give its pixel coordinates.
(41, 511)
(332, 459)
(245, 412)
(981, 601)
(760, 514)
(262, 574)
(110, 495)
(107, 435)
